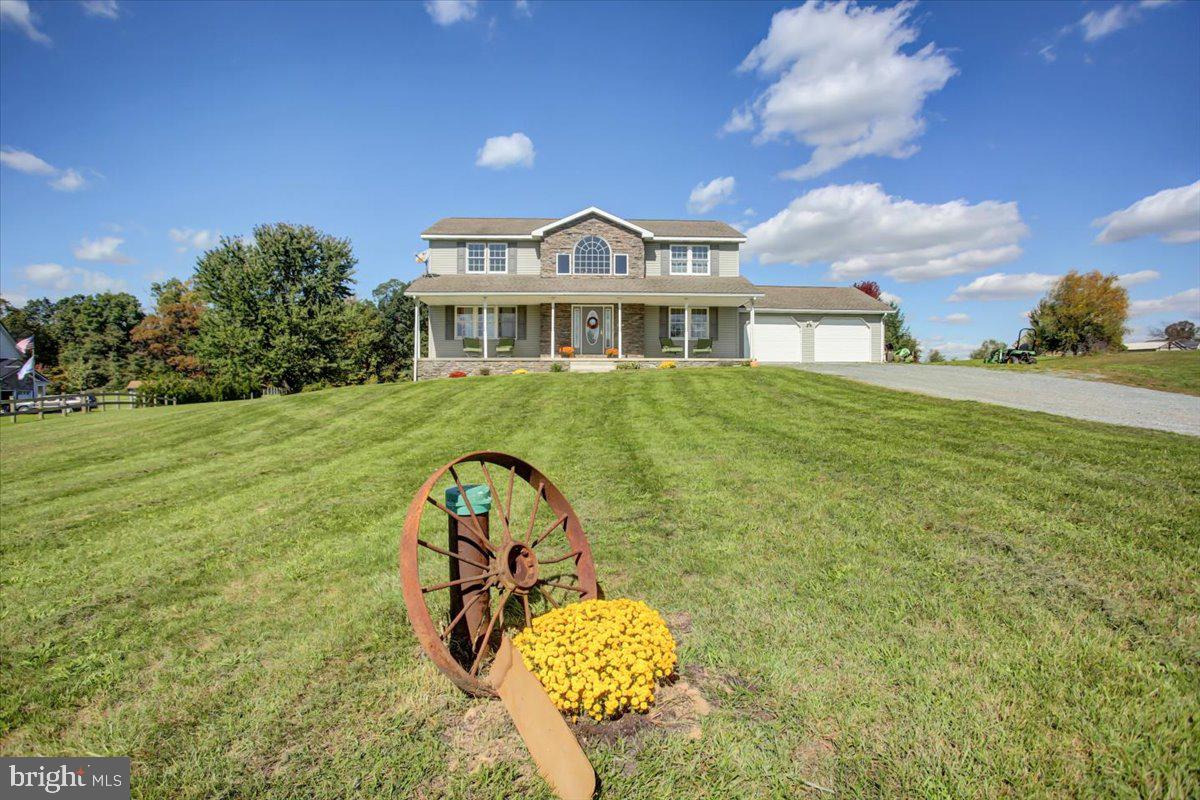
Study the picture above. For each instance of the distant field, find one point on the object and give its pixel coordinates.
(879, 593)
(1167, 372)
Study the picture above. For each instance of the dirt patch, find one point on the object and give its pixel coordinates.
(724, 687)
(485, 736)
(680, 624)
(678, 709)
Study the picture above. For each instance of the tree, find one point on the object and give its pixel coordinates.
(95, 350)
(985, 349)
(897, 334)
(34, 319)
(1081, 313)
(397, 313)
(869, 287)
(1181, 331)
(936, 357)
(167, 338)
(277, 306)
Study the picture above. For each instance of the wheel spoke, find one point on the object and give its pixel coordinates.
(487, 634)
(537, 498)
(464, 559)
(572, 554)
(496, 496)
(457, 617)
(480, 578)
(528, 616)
(546, 595)
(561, 521)
(462, 492)
(512, 476)
(566, 586)
(476, 532)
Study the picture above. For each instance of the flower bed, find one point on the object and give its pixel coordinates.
(599, 658)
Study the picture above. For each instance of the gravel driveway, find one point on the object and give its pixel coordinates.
(1068, 397)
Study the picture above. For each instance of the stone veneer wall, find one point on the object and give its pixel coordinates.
(620, 240)
(633, 317)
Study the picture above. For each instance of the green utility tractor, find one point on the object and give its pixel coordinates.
(1022, 351)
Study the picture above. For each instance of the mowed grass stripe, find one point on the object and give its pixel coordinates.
(889, 594)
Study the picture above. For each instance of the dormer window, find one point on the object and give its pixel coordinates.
(593, 256)
(687, 260)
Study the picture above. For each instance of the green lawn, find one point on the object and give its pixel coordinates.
(1167, 371)
(890, 595)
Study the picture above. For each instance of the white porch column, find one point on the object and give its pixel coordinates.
(416, 336)
(485, 328)
(751, 331)
(553, 349)
(687, 329)
(620, 326)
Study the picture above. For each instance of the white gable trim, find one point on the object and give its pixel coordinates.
(613, 218)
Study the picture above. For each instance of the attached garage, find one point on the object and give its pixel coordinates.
(777, 338)
(842, 339)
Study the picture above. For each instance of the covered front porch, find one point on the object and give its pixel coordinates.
(490, 333)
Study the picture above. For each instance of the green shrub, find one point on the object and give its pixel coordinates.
(485, 370)
(557, 367)
(629, 365)
(197, 390)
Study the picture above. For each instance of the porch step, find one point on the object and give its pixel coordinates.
(592, 366)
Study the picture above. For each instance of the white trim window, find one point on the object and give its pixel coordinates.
(593, 256)
(690, 259)
(497, 257)
(675, 322)
(468, 322)
(476, 256)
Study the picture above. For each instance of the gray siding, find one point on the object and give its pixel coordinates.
(725, 345)
(452, 348)
(653, 262)
(727, 259)
(443, 257)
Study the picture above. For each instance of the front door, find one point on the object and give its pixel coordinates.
(595, 329)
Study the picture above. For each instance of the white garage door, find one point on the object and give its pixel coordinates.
(842, 339)
(776, 338)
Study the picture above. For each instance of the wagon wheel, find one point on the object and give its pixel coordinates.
(529, 553)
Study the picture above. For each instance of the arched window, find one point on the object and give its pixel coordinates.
(592, 256)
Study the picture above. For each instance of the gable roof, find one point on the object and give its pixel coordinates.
(581, 284)
(818, 298)
(536, 227)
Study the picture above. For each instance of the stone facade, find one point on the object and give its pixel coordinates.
(633, 336)
(620, 240)
(562, 327)
(428, 368)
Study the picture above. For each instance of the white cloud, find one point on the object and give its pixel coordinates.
(501, 152)
(957, 318)
(1135, 278)
(1098, 24)
(448, 12)
(106, 248)
(68, 181)
(101, 8)
(888, 297)
(24, 161)
(18, 14)
(188, 238)
(999, 286)
(950, 350)
(707, 196)
(865, 232)
(1172, 214)
(18, 299)
(843, 84)
(1185, 302)
(521, 8)
(72, 279)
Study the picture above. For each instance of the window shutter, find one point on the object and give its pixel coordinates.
(664, 314)
(563, 264)
(450, 313)
(462, 258)
(521, 324)
(712, 322)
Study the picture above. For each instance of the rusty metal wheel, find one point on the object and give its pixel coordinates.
(480, 584)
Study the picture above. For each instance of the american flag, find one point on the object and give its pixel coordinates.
(26, 368)
(25, 344)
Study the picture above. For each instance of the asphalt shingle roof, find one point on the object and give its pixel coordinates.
(819, 298)
(524, 226)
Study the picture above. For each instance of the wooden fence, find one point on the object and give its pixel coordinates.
(81, 403)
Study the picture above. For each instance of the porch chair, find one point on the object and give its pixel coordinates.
(668, 346)
(472, 346)
(504, 346)
(702, 347)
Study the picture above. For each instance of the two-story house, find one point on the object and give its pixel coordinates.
(505, 292)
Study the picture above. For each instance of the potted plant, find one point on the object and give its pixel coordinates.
(611, 352)
(566, 351)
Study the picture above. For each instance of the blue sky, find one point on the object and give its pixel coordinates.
(946, 150)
